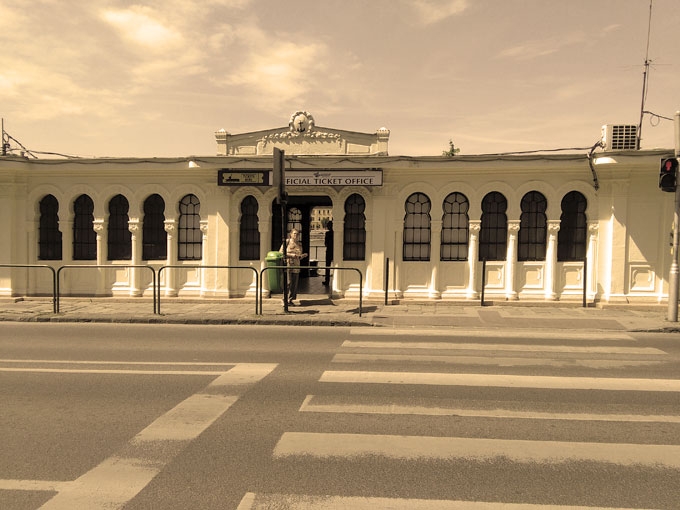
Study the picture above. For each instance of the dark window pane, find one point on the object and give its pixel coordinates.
(249, 246)
(454, 237)
(49, 239)
(119, 235)
(494, 227)
(533, 227)
(572, 236)
(190, 238)
(354, 235)
(154, 236)
(416, 237)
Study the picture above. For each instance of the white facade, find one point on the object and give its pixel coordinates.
(628, 219)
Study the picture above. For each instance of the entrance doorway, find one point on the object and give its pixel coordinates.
(310, 215)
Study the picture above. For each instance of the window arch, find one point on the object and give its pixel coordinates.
(417, 231)
(571, 238)
(119, 236)
(49, 239)
(533, 227)
(190, 238)
(84, 236)
(154, 236)
(493, 234)
(455, 221)
(354, 230)
(249, 235)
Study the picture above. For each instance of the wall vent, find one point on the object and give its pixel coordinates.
(619, 137)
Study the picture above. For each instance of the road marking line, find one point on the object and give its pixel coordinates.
(118, 479)
(496, 361)
(309, 407)
(33, 485)
(109, 371)
(503, 381)
(99, 362)
(502, 347)
(323, 445)
(468, 333)
(253, 501)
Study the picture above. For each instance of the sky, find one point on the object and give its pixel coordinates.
(152, 78)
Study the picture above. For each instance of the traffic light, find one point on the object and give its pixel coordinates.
(668, 174)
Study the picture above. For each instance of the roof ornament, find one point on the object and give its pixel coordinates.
(301, 122)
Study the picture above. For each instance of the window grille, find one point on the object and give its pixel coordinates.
(249, 246)
(354, 229)
(533, 227)
(190, 238)
(493, 234)
(49, 239)
(84, 236)
(572, 236)
(119, 236)
(154, 236)
(455, 221)
(417, 228)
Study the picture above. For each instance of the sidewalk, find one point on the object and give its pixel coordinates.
(315, 310)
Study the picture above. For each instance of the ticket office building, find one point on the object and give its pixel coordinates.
(541, 227)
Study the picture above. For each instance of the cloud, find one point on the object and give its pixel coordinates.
(433, 11)
(139, 26)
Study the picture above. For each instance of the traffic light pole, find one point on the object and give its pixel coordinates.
(673, 276)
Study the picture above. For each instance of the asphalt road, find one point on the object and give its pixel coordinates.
(253, 417)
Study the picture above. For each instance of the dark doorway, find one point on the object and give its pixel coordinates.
(299, 215)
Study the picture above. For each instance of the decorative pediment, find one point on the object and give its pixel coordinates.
(303, 137)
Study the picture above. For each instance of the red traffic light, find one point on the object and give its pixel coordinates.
(668, 174)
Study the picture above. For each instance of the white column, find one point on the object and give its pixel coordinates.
(204, 245)
(99, 226)
(171, 258)
(435, 258)
(591, 255)
(473, 258)
(136, 259)
(511, 261)
(551, 260)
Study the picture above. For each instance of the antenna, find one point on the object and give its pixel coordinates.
(5, 145)
(645, 78)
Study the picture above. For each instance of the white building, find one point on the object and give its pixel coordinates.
(533, 219)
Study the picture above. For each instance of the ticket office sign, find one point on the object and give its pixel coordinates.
(229, 177)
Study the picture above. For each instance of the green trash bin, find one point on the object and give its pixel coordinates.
(275, 276)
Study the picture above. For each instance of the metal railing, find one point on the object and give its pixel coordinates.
(98, 266)
(361, 279)
(55, 302)
(157, 301)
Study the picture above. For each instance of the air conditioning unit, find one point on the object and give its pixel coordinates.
(619, 137)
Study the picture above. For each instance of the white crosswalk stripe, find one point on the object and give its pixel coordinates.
(399, 364)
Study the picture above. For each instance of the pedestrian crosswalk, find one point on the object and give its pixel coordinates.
(397, 378)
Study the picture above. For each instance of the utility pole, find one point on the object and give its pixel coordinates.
(673, 276)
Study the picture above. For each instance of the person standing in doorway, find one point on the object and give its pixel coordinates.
(328, 242)
(292, 252)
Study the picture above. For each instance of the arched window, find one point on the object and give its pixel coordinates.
(417, 228)
(249, 235)
(354, 229)
(533, 227)
(454, 243)
(154, 236)
(84, 236)
(190, 239)
(119, 235)
(571, 238)
(49, 240)
(294, 220)
(493, 235)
